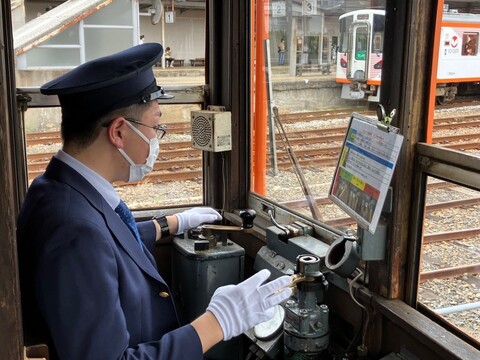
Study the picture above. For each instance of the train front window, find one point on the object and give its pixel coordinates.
(361, 43)
(303, 107)
(378, 29)
(378, 23)
(344, 26)
(177, 176)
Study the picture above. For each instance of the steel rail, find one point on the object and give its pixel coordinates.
(449, 272)
(450, 235)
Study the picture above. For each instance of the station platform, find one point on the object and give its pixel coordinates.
(195, 75)
(311, 91)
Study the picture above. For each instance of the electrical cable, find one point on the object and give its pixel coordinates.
(357, 334)
(367, 316)
(355, 338)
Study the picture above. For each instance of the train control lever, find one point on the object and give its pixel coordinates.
(289, 230)
(207, 236)
(306, 329)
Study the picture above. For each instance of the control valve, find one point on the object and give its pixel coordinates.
(208, 235)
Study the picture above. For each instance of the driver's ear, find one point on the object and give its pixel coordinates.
(116, 131)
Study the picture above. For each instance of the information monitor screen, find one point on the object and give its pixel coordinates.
(365, 169)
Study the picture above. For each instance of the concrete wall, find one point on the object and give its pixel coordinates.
(306, 94)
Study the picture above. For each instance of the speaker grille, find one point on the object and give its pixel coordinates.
(201, 131)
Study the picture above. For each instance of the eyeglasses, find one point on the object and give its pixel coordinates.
(161, 130)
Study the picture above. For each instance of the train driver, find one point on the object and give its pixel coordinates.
(88, 277)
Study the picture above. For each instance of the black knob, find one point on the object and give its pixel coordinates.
(247, 215)
(201, 245)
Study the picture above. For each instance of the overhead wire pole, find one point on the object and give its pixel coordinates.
(271, 126)
(312, 204)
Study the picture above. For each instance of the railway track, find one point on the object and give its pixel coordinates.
(191, 160)
(310, 151)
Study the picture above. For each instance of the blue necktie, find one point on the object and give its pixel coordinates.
(126, 215)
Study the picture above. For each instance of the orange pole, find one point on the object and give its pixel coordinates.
(433, 75)
(260, 106)
(253, 26)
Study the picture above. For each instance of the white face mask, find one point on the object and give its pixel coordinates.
(138, 171)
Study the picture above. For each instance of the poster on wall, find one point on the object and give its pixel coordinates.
(365, 169)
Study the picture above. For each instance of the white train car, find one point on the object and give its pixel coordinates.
(360, 57)
(458, 56)
(360, 54)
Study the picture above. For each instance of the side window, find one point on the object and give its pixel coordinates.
(470, 44)
(361, 43)
(177, 175)
(451, 238)
(447, 270)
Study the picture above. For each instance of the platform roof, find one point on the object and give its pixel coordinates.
(53, 22)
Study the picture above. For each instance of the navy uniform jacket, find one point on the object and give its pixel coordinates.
(86, 280)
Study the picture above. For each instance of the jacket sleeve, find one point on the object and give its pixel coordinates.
(147, 233)
(77, 290)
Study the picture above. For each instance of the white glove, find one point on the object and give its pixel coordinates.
(193, 217)
(241, 307)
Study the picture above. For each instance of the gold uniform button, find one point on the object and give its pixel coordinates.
(164, 294)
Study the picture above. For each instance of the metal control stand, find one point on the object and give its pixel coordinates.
(203, 260)
(306, 329)
(286, 244)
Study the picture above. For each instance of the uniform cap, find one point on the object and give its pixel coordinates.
(99, 86)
